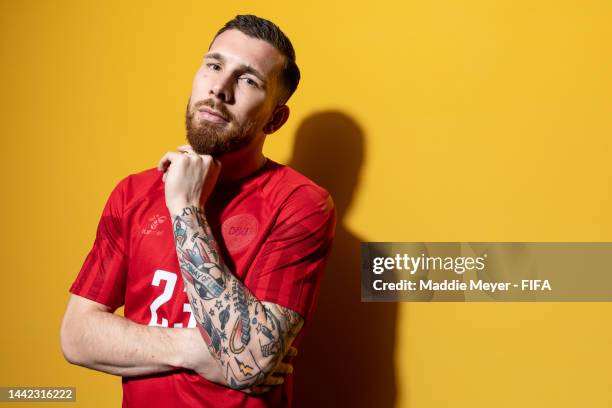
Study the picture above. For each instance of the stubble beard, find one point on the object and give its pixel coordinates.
(217, 139)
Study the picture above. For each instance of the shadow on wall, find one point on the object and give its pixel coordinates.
(346, 357)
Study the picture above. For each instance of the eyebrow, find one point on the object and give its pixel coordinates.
(246, 68)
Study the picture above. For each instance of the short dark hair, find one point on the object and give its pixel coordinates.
(266, 30)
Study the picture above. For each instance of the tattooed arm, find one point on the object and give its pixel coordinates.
(247, 337)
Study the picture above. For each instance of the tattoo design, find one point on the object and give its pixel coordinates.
(224, 317)
(209, 242)
(206, 276)
(180, 233)
(274, 345)
(244, 369)
(194, 306)
(211, 335)
(241, 305)
(219, 300)
(266, 332)
(237, 330)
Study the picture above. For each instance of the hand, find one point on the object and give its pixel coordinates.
(276, 377)
(195, 356)
(189, 178)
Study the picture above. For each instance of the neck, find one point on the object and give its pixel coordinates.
(240, 164)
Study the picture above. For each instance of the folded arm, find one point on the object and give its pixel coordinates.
(92, 336)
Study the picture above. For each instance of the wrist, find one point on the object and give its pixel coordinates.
(179, 339)
(178, 207)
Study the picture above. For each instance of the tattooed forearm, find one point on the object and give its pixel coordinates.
(246, 336)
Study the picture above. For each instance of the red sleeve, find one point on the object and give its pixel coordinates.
(290, 265)
(103, 274)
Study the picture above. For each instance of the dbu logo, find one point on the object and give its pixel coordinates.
(243, 231)
(239, 231)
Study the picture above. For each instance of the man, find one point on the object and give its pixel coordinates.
(217, 238)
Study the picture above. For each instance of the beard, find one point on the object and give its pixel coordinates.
(217, 139)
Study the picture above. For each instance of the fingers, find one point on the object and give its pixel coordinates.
(257, 389)
(283, 368)
(292, 352)
(189, 149)
(166, 159)
(169, 157)
(186, 158)
(272, 380)
(185, 149)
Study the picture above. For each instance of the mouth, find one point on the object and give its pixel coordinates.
(211, 115)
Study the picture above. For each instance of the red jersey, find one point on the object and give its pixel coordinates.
(274, 229)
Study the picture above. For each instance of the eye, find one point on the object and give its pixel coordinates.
(213, 66)
(250, 82)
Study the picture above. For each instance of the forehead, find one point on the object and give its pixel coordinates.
(238, 48)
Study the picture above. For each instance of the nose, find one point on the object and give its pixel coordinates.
(221, 88)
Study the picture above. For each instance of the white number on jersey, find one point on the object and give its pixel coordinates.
(166, 295)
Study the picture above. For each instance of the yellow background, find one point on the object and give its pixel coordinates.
(481, 121)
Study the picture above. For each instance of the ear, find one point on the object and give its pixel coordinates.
(279, 117)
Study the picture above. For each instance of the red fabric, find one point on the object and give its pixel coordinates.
(275, 230)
